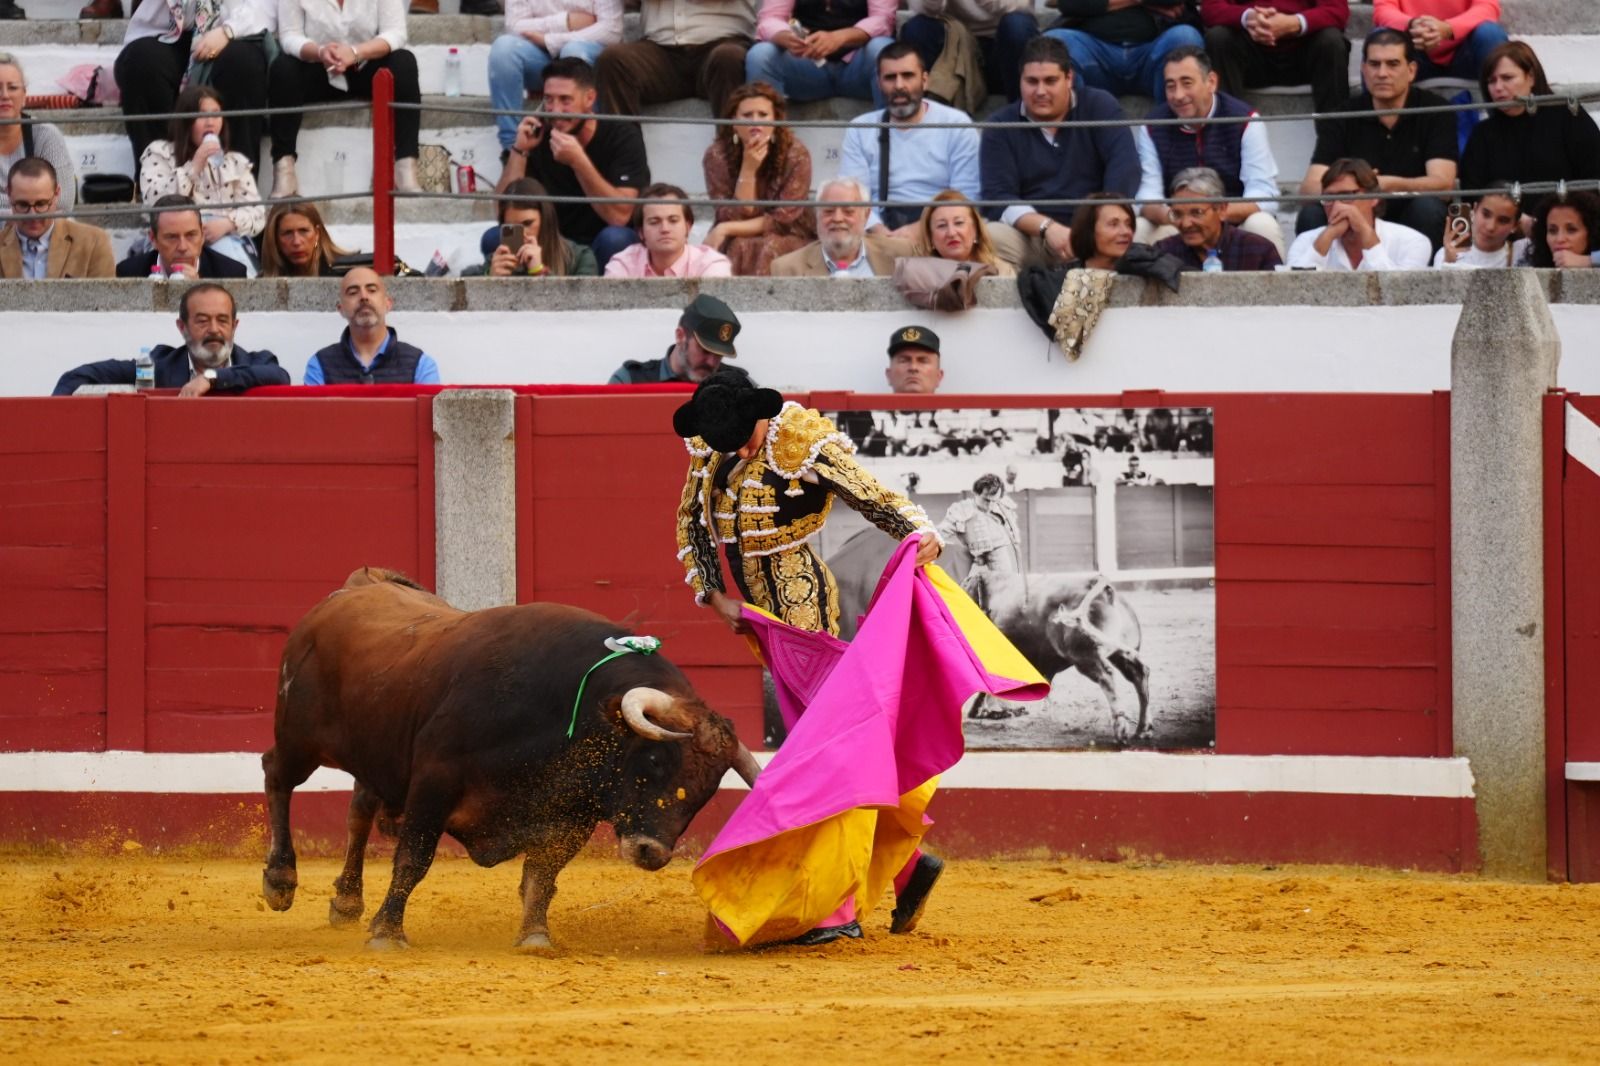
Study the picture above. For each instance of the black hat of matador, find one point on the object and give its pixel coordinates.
(725, 409)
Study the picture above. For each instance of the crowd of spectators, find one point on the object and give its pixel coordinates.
(576, 190)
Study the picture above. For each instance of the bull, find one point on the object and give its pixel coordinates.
(487, 725)
(1062, 622)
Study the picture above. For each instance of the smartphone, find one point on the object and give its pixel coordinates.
(511, 236)
(1460, 221)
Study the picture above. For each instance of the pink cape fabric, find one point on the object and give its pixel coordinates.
(882, 718)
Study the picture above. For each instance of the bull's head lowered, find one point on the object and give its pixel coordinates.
(674, 772)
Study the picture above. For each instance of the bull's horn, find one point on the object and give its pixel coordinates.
(745, 765)
(637, 701)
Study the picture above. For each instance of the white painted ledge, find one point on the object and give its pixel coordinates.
(239, 773)
(1583, 771)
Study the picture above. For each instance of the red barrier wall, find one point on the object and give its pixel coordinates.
(219, 525)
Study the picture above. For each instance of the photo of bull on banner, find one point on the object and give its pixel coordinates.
(1085, 535)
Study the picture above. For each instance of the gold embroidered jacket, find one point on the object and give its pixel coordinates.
(780, 499)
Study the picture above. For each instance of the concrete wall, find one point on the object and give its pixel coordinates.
(1287, 332)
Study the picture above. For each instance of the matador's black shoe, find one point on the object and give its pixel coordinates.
(909, 904)
(827, 934)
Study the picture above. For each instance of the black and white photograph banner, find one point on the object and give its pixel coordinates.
(1086, 536)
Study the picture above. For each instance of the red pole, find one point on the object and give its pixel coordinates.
(383, 173)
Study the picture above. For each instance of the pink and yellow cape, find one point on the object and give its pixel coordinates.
(840, 808)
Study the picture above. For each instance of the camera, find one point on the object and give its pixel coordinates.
(1459, 221)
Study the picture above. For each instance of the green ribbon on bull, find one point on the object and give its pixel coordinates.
(619, 646)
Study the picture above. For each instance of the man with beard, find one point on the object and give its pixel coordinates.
(369, 352)
(581, 157)
(704, 338)
(907, 162)
(180, 249)
(1203, 228)
(206, 362)
(844, 248)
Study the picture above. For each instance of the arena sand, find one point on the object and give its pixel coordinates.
(127, 957)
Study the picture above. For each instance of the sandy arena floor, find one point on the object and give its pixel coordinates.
(130, 958)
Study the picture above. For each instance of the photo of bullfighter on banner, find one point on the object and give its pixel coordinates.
(1085, 535)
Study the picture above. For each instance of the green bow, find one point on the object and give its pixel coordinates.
(619, 646)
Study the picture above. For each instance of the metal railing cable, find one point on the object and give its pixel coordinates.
(1572, 101)
(85, 116)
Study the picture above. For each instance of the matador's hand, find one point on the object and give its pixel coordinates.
(730, 610)
(928, 549)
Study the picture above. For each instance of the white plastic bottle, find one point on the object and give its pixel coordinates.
(1213, 263)
(144, 371)
(452, 73)
(214, 161)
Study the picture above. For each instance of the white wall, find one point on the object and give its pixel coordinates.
(1224, 349)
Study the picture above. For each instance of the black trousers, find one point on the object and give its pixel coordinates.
(296, 83)
(148, 74)
(1323, 59)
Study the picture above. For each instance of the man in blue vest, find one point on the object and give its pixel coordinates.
(1237, 151)
(370, 352)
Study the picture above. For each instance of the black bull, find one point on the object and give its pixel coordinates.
(1057, 621)
(456, 722)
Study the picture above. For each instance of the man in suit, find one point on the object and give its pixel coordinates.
(843, 249)
(206, 362)
(35, 248)
(180, 246)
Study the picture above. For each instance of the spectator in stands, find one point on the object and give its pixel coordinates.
(1551, 143)
(908, 162)
(703, 339)
(758, 160)
(533, 247)
(1136, 475)
(296, 244)
(536, 32)
(1566, 232)
(1485, 235)
(1001, 27)
(333, 53)
(196, 161)
(814, 49)
(369, 352)
(206, 362)
(1101, 233)
(1355, 238)
(1060, 160)
(914, 368)
(581, 156)
(844, 248)
(664, 250)
(1452, 37)
(1411, 153)
(1120, 47)
(40, 140)
(178, 234)
(951, 228)
(1204, 231)
(1289, 42)
(35, 248)
(225, 40)
(1238, 152)
(687, 48)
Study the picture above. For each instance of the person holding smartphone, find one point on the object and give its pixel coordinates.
(1484, 234)
(528, 241)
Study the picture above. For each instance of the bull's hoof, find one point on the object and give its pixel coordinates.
(394, 942)
(278, 889)
(535, 944)
(342, 911)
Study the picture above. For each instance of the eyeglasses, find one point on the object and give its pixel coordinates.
(38, 207)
